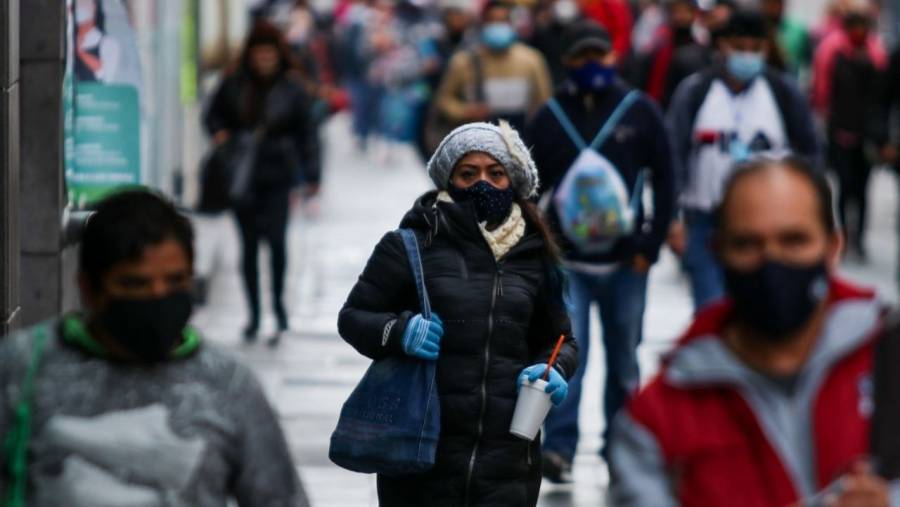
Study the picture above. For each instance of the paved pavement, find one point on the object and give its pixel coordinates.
(311, 373)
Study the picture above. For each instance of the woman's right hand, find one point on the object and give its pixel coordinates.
(422, 338)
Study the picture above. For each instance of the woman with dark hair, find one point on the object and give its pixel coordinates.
(264, 96)
(491, 270)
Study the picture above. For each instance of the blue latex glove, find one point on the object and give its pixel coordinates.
(556, 384)
(422, 338)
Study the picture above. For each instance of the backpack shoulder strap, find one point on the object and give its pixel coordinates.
(566, 123)
(698, 95)
(411, 245)
(613, 121)
(782, 95)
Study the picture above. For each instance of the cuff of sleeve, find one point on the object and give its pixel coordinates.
(392, 333)
(895, 493)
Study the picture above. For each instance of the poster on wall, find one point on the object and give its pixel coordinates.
(102, 101)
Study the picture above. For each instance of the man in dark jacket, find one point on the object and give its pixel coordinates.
(615, 279)
(729, 113)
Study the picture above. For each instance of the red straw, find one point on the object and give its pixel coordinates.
(559, 344)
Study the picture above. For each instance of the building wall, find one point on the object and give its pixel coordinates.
(9, 165)
(45, 276)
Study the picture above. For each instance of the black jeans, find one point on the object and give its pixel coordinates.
(265, 219)
(853, 170)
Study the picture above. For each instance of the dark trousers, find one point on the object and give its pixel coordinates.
(266, 219)
(621, 296)
(852, 169)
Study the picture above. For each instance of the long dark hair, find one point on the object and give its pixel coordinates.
(534, 217)
(552, 256)
(263, 33)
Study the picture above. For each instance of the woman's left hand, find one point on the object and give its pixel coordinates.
(556, 384)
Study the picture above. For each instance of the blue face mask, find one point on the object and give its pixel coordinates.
(745, 65)
(498, 36)
(492, 205)
(593, 76)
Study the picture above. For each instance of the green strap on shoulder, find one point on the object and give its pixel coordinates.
(15, 443)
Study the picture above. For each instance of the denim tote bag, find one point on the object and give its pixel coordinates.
(390, 424)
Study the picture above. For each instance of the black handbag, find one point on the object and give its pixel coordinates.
(226, 176)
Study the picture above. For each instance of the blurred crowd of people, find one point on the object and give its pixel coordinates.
(411, 70)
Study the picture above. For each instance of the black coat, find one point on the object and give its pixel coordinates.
(289, 151)
(499, 318)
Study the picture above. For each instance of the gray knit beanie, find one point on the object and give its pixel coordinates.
(501, 142)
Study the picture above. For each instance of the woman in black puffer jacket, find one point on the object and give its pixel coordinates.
(265, 96)
(491, 272)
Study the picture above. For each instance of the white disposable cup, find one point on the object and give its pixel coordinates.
(532, 408)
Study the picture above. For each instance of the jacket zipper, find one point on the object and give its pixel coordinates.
(487, 360)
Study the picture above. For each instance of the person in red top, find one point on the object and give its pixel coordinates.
(847, 72)
(767, 400)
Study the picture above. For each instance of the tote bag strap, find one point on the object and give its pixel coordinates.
(411, 245)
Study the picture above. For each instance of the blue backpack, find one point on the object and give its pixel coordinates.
(592, 201)
(390, 424)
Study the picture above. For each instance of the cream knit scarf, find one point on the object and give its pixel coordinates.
(503, 238)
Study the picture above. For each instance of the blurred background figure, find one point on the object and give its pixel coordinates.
(261, 115)
(715, 19)
(552, 17)
(614, 279)
(357, 17)
(792, 39)
(846, 82)
(676, 53)
(404, 56)
(501, 78)
(733, 111)
(617, 17)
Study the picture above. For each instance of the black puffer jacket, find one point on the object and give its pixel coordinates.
(499, 318)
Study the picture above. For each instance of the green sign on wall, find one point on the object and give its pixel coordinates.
(106, 141)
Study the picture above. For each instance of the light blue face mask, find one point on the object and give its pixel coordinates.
(498, 36)
(745, 65)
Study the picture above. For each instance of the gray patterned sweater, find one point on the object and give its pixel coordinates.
(193, 432)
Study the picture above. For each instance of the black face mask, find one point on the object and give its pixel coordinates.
(777, 299)
(492, 205)
(148, 328)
